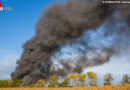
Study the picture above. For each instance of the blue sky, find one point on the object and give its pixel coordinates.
(18, 26)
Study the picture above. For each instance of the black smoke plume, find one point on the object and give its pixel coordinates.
(64, 24)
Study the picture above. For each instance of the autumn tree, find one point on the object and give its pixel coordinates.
(65, 83)
(40, 83)
(82, 79)
(53, 81)
(108, 79)
(73, 79)
(93, 78)
(125, 79)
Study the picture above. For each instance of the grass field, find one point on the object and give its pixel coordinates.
(117, 87)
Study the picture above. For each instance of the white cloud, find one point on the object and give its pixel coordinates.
(7, 63)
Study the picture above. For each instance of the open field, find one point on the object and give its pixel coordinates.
(117, 87)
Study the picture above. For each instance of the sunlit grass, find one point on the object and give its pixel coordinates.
(112, 87)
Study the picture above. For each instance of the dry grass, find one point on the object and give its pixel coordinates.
(117, 87)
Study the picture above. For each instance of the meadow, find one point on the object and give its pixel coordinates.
(112, 87)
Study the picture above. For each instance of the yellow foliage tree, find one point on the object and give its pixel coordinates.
(53, 81)
(64, 83)
(40, 83)
(73, 79)
(93, 78)
(82, 79)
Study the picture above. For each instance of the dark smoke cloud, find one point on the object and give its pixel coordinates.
(62, 24)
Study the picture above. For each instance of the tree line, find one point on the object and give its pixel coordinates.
(74, 80)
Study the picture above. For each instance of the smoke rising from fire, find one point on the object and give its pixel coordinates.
(64, 24)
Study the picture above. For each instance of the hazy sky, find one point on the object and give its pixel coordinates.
(18, 26)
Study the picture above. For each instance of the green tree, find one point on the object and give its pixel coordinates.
(108, 79)
(10, 82)
(3, 83)
(16, 83)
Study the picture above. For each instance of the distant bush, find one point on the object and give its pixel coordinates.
(10, 83)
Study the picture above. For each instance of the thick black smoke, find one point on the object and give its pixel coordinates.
(62, 24)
